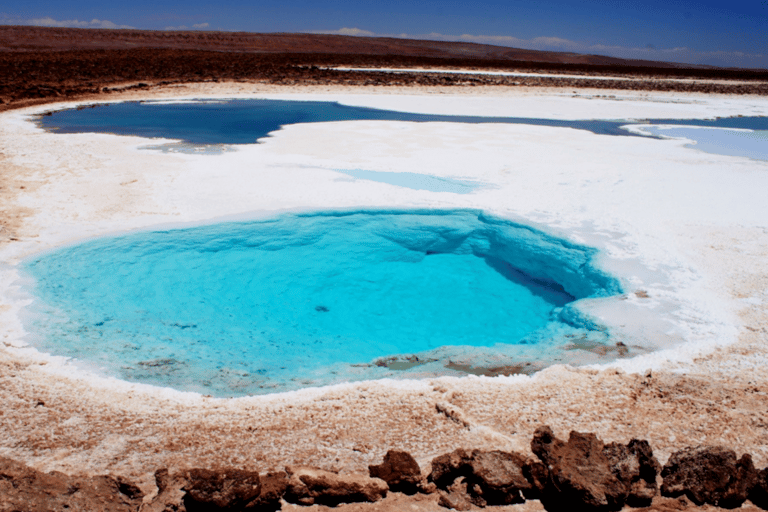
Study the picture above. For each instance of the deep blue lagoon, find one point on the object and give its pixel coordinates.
(245, 121)
(307, 299)
(232, 122)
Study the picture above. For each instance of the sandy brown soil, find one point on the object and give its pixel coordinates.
(11, 215)
(31, 77)
(44, 64)
(28, 38)
(400, 502)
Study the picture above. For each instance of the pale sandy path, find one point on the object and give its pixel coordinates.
(698, 221)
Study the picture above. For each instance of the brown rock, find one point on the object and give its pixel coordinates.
(427, 487)
(400, 470)
(25, 489)
(635, 466)
(447, 468)
(222, 489)
(273, 487)
(709, 474)
(308, 486)
(497, 477)
(492, 477)
(662, 504)
(104, 493)
(580, 476)
(537, 474)
(170, 493)
(455, 496)
(759, 493)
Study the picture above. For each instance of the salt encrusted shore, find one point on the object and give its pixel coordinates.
(688, 232)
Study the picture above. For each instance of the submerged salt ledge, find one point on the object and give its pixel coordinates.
(656, 204)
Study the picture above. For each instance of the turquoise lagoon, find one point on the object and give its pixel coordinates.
(310, 299)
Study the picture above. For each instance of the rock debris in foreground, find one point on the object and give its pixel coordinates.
(400, 470)
(581, 474)
(585, 473)
(23, 489)
(309, 486)
(709, 474)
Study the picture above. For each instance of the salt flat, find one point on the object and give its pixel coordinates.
(686, 231)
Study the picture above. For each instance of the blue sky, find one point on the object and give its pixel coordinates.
(728, 33)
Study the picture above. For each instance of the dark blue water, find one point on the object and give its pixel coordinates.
(297, 300)
(232, 122)
(245, 121)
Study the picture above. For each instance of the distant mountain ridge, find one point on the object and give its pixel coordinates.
(28, 38)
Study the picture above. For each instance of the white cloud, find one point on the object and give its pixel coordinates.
(550, 43)
(198, 26)
(554, 42)
(50, 22)
(349, 32)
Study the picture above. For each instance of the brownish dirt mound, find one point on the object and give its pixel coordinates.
(40, 64)
(24, 38)
(38, 77)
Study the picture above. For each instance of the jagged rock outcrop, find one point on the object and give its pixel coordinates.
(223, 490)
(400, 470)
(25, 489)
(308, 486)
(450, 466)
(580, 474)
(490, 477)
(634, 465)
(197, 490)
(584, 474)
(498, 478)
(709, 474)
(273, 487)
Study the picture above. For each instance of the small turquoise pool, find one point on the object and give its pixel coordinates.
(308, 299)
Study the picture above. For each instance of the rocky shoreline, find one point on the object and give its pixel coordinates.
(581, 473)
